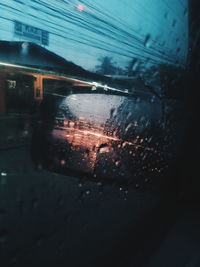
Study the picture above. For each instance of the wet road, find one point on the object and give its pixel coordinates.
(49, 219)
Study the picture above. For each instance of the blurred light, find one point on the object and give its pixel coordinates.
(95, 84)
(105, 87)
(80, 8)
(94, 88)
(73, 97)
(81, 118)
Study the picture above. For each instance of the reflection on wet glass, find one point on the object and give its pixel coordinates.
(91, 118)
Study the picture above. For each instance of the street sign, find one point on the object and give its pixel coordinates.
(31, 33)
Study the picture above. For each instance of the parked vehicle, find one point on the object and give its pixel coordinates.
(109, 135)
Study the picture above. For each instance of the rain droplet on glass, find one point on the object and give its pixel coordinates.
(147, 41)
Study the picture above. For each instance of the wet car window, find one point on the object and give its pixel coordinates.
(98, 108)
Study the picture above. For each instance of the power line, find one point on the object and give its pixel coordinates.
(142, 44)
(127, 43)
(106, 28)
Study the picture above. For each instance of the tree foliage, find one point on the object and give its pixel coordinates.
(106, 66)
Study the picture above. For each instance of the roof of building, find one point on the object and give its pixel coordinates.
(32, 55)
